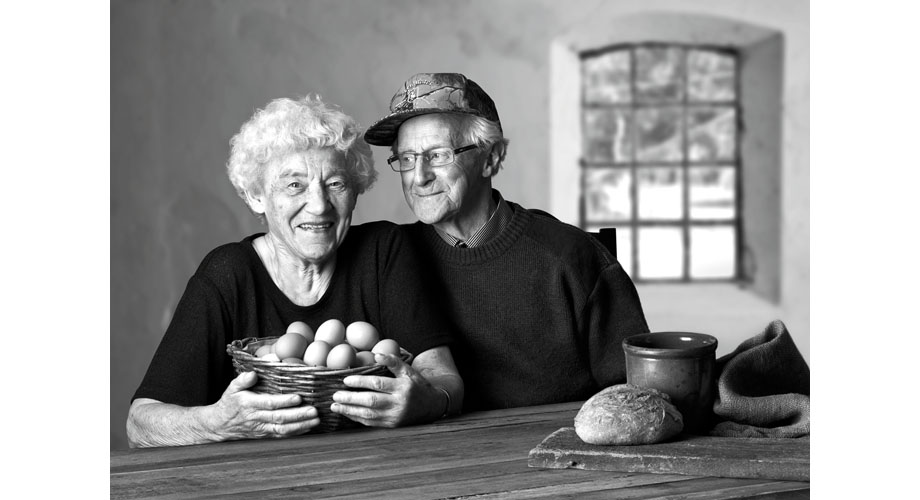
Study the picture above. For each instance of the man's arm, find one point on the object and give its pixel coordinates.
(612, 313)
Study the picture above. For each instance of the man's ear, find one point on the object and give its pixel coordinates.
(493, 161)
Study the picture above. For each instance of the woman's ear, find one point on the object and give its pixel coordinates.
(256, 201)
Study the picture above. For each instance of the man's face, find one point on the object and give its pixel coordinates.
(440, 194)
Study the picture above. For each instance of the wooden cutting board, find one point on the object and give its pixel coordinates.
(781, 459)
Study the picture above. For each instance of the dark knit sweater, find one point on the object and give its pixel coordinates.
(541, 312)
(231, 296)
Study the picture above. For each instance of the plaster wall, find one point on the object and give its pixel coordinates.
(186, 75)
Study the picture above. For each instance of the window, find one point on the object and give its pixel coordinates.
(660, 158)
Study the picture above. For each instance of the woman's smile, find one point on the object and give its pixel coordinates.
(315, 226)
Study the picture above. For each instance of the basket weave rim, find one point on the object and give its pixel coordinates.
(236, 349)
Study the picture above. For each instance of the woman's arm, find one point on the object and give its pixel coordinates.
(239, 414)
(437, 366)
(153, 423)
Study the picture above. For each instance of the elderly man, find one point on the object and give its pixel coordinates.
(541, 308)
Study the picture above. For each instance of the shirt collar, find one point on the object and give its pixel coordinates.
(493, 227)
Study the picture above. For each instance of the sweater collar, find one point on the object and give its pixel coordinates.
(514, 229)
(492, 228)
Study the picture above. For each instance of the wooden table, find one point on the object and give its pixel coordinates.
(481, 454)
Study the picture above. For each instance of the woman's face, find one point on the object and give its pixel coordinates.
(307, 201)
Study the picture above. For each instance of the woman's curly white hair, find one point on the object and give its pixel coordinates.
(288, 126)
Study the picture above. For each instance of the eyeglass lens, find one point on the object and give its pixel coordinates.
(436, 158)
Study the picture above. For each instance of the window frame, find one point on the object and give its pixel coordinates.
(633, 165)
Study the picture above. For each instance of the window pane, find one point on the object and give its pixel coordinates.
(607, 194)
(712, 193)
(606, 78)
(711, 133)
(660, 134)
(710, 76)
(624, 246)
(660, 193)
(606, 135)
(661, 252)
(712, 252)
(659, 74)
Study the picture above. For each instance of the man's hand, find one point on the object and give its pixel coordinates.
(390, 402)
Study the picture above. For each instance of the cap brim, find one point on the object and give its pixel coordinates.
(385, 131)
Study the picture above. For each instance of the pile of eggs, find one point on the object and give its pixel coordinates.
(331, 346)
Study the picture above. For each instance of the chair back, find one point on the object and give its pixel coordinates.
(608, 237)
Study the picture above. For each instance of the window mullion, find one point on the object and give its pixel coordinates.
(685, 169)
(633, 187)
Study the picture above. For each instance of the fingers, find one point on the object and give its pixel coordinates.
(288, 415)
(289, 421)
(373, 409)
(370, 382)
(273, 401)
(284, 422)
(363, 415)
(366, 399)
(370, 422)
(357, 413)
(394, 364)
(246, 380)
(290, 429)
(242, 382)
(293, 429)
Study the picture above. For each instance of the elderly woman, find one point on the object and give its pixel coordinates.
(300, 166)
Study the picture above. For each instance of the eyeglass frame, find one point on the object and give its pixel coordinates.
(395, 158)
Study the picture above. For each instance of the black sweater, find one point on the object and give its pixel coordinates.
(231, 296)
(541, 312)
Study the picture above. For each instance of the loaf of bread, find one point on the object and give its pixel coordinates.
(627, 414)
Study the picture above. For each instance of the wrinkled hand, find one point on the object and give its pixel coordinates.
(390, 402)
(243, 414)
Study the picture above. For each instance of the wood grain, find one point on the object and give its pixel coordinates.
(482, 455)
(782, 459)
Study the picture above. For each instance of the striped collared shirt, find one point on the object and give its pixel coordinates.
(493, 227)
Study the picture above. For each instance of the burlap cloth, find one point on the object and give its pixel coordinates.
(763, 388)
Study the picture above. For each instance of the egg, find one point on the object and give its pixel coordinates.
(301, 328)
(332, 332)
(387, 346)
(291, 345)
(316, 353)
(362, 335)
(270, 357)
(365, 358)
(340, 357)
(294, 361)
(262, 351)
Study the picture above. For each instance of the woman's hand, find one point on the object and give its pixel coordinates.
(239, 414)
(415, 395)
(390, 402)
(243, 414)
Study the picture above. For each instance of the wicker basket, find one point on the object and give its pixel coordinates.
(315, 385)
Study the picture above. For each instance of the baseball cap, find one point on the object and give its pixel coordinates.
(426, 93)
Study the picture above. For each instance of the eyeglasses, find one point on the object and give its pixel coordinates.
(437, 157)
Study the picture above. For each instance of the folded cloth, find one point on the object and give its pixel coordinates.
(763, 388)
